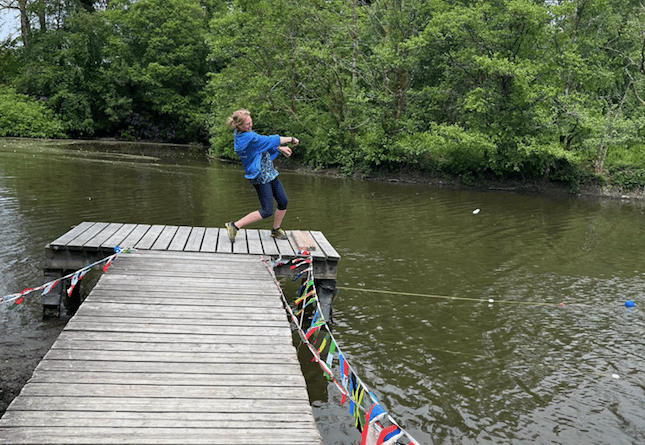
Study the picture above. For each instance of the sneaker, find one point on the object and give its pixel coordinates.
(231, 231)
(278, 234)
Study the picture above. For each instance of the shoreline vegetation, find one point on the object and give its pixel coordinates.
(530, 94)
(546, 188)
(590, 189)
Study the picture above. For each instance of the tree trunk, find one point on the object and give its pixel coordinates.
(41, 17)
(25, 29)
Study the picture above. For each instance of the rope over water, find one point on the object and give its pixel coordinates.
(446, 297)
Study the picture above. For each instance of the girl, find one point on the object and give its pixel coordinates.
(257, 153)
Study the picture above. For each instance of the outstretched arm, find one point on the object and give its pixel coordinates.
(289, 140)
(286, 150)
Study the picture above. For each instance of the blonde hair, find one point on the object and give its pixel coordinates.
(237, 119)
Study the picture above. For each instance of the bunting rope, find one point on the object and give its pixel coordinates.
(18, 298)
(377, 427)
(446, 297)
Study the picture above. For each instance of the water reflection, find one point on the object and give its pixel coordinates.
(520, 370)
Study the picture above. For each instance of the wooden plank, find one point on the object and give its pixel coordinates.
(177, 379)
(150, 237)
(167, 435)
(135, 236)
(172, 329)
(188, 284)
(180, 238)
(268, 243)
(326, 246)
(219, 258)
(204, 297)
(240, 245)
(172, 368)
(96, 242)
(210, 239)
(224, 245)
(237, 348)
(90, 308)
(254, 243)
(72, 389)
(172, 338)
(316, 253)
(214, 312)
(285, 248)
(165, 271)
(226, 262)
(303, 240)
(159, 404)
(164, 239)
(79, 241)
(231, 320)
(128, 419)
(242, 307)
(63, 240)
(118, 237)
(186, 358)
(195, 239)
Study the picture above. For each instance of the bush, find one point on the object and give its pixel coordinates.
(446, 149)
(627, 177)
(23, 116)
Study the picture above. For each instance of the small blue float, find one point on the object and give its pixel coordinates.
(629, 303)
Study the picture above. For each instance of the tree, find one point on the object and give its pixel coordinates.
(595, 46)
(156, 63)
(291, 71)
(21, 7)
(65, 65)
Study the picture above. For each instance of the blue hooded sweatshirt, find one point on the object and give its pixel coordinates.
(249, 147)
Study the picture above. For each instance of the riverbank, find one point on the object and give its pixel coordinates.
(588, 190)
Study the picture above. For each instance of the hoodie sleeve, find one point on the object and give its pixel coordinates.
(249, 147)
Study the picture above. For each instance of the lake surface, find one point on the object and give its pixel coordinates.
(555, 358)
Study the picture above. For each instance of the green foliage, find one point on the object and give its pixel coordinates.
(9, 62)
(158, 69)
(445, 148)
(23, 116)
(626, 167)
(627, 177)
(514, 89)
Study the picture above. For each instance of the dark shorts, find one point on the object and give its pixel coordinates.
(266, 193)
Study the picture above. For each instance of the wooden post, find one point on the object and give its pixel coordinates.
(52, 300)
(326, 290)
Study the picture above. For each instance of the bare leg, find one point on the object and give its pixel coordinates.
(277, 219)
(249, 219)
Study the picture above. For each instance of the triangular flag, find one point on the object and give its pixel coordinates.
(75, 279)
(108, 262)
(49, 286)
(330, 353)
(16, 303)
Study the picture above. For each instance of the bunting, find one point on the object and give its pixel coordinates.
(377, 427)
(16, 303)
(18, 298)
(49, 286)
(78, 276)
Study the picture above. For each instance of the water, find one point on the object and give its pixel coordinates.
(520, 370)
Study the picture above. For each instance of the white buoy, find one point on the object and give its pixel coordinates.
(476, 211)
(616, 376)
(490, 300)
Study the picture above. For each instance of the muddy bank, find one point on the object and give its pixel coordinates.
(589, 190)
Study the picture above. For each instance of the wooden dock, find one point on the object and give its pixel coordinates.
(185, 346)
(90, 241)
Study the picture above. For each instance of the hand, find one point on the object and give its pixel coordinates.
(285, 151)
(295, 141)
